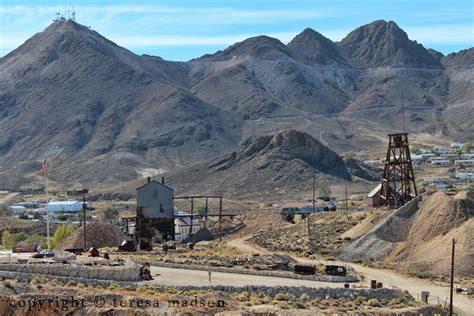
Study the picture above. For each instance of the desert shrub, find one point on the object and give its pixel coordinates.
(71, 282)
(281, 297)
(360, 299)
(113, 286)
(373, 302)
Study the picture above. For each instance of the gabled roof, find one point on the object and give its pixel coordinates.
(375, 190)
(154, 181)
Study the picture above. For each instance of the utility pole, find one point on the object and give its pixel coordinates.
(207, 209)
(314, 211)
(452, 280)
(347, 205)
(403, 112)
(220, 218)
(191, 218)
(82, 192)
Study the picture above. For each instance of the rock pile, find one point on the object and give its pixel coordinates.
(98, 235)
(324, 236)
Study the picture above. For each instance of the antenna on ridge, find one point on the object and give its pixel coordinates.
(73, 14)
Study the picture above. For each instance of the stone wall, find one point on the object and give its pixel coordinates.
(129, 272)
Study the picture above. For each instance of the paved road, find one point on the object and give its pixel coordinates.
(173, 276)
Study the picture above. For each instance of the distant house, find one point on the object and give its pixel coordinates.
(456, 145)
(464, 162)
(441, 185)
(373, 197)
(440, 162)
(17, 209)
(373, 162)
(441, 149)
(65, 206)
(183, 226)
(465, 175)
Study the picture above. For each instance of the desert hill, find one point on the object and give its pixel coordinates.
(279, 164)
(102, 114)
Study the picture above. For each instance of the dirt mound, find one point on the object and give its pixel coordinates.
(366, 225)
(418, 235)
(439, 220)
(98, 235)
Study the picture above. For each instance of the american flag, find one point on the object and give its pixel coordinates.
(44, 168)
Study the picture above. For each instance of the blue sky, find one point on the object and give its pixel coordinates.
(181, 30)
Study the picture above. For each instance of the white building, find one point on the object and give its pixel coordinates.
(464, 162)
(440, 162)
(183, 226)
(465, 175)
(17, 209)
(65, 206)
(373, 162)
(456, 145)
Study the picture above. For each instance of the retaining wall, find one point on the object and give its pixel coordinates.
(128, 273)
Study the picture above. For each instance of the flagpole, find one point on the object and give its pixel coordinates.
(47, 212)
(45, 172)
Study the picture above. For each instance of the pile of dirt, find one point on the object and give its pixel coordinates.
(98, 235)
(418, 236)
(439, 220)
(366, 225)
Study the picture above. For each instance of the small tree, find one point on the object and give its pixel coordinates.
(111, 214)
(7, 239)
(23, 216)
(37, 215)
(325, 191)
(4, 210)
(61, 233)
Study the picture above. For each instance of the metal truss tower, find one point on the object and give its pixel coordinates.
(398, 182)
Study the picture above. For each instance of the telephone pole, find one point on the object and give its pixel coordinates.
(314, 211)
(452, 279)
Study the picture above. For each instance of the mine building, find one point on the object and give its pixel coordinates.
(154, 220)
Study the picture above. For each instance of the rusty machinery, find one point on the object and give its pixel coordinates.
(398, 182)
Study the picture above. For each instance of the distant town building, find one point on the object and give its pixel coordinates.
(464, 162)
(373, 162)
(457, 145)
(65, 206)
(440, 162)
(17, 209)
(183, 227)
(465, 175)
(373, 198)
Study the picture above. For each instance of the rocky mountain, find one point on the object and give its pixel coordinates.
(102, 114)
(281, 163)
(383, 43)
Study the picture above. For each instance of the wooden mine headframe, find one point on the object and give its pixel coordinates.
(398, 182)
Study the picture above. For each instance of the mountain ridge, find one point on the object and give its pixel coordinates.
(74, 97)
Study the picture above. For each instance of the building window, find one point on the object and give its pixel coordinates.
(155, 194)
(162, 208)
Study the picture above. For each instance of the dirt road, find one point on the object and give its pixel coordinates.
(389, 278)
